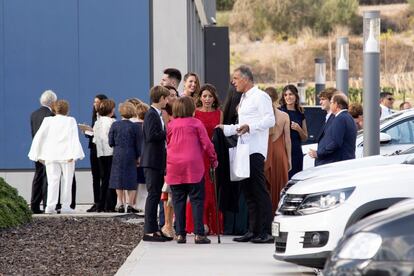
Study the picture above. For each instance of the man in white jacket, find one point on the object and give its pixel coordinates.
(57, 144)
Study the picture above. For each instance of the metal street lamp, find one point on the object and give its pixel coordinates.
(302, 92)
(320, 77)
(342, 64)
(371, 77)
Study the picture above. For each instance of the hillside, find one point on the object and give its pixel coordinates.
(277, 60)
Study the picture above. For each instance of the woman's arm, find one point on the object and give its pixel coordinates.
(303, 131)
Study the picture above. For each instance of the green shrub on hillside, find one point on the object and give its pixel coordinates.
(289, 17)
(13, 208)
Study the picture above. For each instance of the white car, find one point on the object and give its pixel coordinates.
(396, 134)
(398, 157)
(314, 213)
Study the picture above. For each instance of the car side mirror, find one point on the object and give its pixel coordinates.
(385, 138)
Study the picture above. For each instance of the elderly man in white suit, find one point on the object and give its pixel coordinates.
(57, 144)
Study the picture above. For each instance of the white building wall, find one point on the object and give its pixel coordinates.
(169, 37)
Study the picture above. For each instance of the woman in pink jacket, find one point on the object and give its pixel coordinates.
(187, 140)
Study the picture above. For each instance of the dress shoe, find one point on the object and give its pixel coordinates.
(94, 208)
(156, 237)
(198, 239)
(263, 238)
(181, 239)
(245, 238)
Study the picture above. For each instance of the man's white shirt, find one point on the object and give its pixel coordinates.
(255, 110)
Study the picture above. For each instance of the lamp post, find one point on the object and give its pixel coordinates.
(342, 64)
(320, 79)
(302, 92)
(371, 77)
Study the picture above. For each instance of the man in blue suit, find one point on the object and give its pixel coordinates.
(338, 142)
(325, 100)
(153, 160)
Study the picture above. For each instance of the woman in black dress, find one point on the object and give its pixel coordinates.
(289, 103)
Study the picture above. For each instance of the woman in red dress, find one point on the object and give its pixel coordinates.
(210, 115)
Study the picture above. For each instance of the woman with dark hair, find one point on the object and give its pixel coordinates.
(93, 157)
(210, 115)
(232, 201)
(289, 103)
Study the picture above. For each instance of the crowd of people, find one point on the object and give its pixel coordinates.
(156, 160)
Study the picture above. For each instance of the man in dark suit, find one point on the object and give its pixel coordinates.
(338, 143)
(39, 184)
(325, 100)
(153, 160)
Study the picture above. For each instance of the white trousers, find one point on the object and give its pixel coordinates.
(141, 196)
(56, 172)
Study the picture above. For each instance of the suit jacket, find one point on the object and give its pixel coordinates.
(57, 140)
(325, 127)
(338, 142)
(154, 142)
(37, 117)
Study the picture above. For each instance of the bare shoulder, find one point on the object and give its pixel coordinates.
(281, 114)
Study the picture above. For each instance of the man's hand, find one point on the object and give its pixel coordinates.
(312, 153)
(243, 129)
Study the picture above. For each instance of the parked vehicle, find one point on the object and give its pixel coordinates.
(398, 157)
(396, 134)
(314, 213)
(382, 244)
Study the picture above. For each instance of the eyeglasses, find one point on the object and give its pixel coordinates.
(390, 99)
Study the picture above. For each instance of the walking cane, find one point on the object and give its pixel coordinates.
(213, 179)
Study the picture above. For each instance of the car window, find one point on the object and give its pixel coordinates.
(401, 132)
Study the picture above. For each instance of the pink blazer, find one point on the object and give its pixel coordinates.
(187, 140)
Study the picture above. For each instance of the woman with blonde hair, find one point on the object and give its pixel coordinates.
(125, 137)
(191, 85)
(141, 194)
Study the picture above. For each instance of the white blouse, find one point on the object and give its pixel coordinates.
(100, 138)
(57, 140)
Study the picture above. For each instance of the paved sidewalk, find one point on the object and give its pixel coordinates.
(227, 258)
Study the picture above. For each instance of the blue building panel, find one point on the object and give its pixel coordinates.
(76, 48)
(2, 103)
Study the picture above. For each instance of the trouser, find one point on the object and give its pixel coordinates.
(155, 181)
(257, 196)
(96, 175)
(196, 194)
(57, 171)
(73, 201)
(107, 197)
(39, 187)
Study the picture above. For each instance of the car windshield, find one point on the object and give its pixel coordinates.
(383, 121)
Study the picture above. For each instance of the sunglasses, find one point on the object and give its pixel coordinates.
(390, 99)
